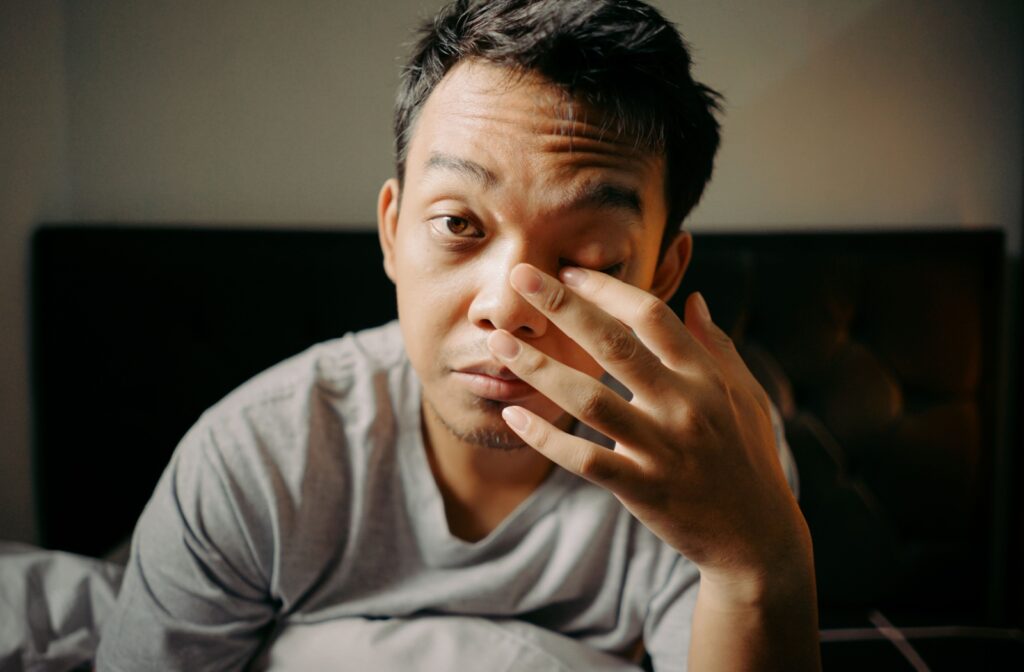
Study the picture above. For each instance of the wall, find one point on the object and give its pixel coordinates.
(233, 111)
(33, 186)
(841, 113)
(865, 112)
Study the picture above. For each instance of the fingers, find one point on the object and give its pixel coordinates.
(652, 319)
(583, 397)
(606, 339)
(719, 344)
(595, 463)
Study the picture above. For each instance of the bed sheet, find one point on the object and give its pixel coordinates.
(52, 608)
(432, 642)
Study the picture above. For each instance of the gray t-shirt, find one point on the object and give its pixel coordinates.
(306, 496)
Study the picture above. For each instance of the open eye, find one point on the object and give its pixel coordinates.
(458, 227)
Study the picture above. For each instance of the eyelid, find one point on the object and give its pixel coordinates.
(614, 270)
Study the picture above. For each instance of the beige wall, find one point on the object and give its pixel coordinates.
(234, 110)
(864, 112)
(841, 113)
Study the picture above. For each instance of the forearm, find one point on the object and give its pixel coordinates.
(758, 625)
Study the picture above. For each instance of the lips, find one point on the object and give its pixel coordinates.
(492, 381)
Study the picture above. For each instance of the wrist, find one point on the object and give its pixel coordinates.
(759, 616)
(784, 577)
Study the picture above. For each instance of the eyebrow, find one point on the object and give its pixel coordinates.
(471, 169)
(590, 195)
(594, 195)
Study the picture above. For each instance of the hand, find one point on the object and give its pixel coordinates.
(694, 457)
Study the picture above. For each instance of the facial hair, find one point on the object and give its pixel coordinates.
(498, 439)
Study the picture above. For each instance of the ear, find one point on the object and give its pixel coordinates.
(387, 223)
(672, 266)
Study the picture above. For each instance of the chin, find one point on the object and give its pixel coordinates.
(482, 427)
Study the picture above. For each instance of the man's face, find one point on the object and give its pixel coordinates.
(496, 175)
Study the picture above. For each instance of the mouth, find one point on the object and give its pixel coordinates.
(493, 381)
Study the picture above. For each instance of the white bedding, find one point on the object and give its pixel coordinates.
(53, 606)
(432, 643)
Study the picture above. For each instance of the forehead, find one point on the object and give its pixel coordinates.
(518, 122)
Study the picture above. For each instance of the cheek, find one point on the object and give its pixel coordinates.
(432, 297)
(433, 293)
(422, 277)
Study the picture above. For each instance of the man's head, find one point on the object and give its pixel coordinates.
(554, 133)
(619, 56)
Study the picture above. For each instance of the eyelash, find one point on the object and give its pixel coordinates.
(444, 220)
(615, 270)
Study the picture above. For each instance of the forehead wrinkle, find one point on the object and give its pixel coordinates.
(550, 123)
(600, 146)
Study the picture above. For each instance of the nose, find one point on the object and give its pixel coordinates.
(497, 305)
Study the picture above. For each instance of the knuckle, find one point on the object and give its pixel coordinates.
(617, 345)
(531, 364)
(555, 299)
(693, 420)
(540, 437)
(652, 311)
(590, 466)
(594, 405)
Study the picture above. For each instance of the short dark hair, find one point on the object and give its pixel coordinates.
(620, 56)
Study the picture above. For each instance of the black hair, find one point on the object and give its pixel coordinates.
(620, 56)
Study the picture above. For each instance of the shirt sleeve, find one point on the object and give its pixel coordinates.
(670, 612)
(195, 593)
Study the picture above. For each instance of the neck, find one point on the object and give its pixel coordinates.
(480, 485)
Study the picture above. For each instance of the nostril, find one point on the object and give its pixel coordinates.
(501, 307)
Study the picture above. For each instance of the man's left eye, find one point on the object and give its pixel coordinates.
(614, 269)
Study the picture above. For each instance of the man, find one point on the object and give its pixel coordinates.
(457, 464)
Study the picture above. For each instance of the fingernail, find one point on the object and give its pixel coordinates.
(702, 307)
(503, 345)
(526, 280)
(573, 277)
(515, 418)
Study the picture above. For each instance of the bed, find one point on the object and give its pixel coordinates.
(885, 351)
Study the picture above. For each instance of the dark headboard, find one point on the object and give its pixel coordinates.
(137, 331)
(882, 349)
